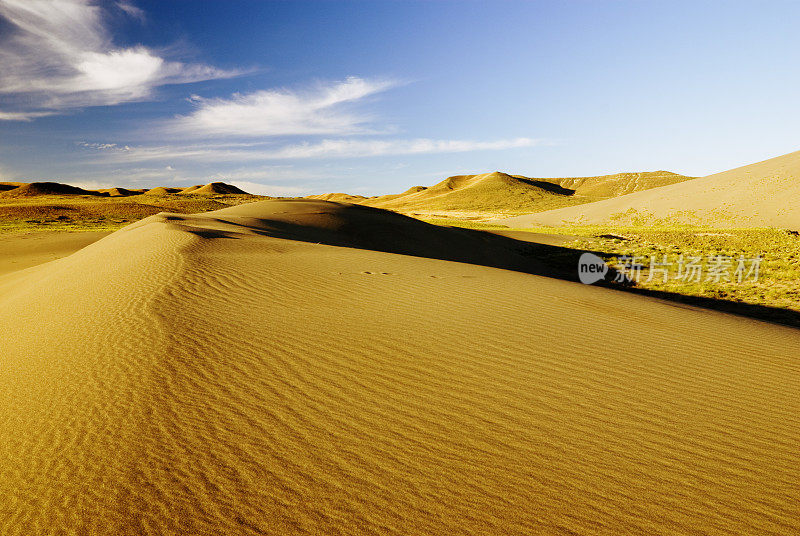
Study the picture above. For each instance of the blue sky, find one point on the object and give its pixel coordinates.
(372, 97)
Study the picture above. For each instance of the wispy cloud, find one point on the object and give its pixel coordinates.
(334, 148)
(22, 116)
(59, 54)
(322, 110)
(132, 11)
(366, 148)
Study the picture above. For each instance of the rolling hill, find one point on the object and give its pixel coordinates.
(214, 188)
(54, 205)
(120, 192)
(501, 193)
(34, 189)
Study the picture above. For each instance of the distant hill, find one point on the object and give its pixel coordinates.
(119, 192)
(485, 192)
(214, 188)
(191, 188)
(339, 198)
(32, 189)
(619, 183)
(764, 194)
(162, 190)
(54, 205)
(502, 193)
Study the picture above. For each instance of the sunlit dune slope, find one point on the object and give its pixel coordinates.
(236, 373)
(474, 192)
(764, 194)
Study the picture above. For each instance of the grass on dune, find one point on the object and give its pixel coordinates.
(467, 224)
(778, 280)
(779, 250)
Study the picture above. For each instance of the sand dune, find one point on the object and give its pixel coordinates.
(765, 194)
(236, 373)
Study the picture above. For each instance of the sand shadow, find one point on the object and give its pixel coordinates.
(558, 262)
(563, 264)
(368, 228)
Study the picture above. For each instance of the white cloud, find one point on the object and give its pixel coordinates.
(90, 185)
(59, 54)
(22, 116)
(273, 190)
(323, 110)
(324, 149)
(97, 145)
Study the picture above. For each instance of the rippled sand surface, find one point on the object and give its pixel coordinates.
(226, 374)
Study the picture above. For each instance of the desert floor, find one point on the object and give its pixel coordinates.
(303, 367)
